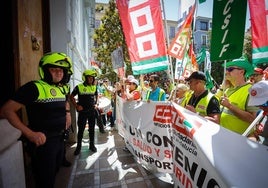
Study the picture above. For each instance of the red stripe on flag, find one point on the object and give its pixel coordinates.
(259, 23)
(182, 39)
(143, 29)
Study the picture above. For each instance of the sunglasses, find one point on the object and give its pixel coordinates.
(151, 81)
(230, 69)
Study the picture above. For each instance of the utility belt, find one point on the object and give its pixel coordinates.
(52, 134)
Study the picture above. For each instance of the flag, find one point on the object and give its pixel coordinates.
(201, 56)
(182, 40)
(184, 9)
(209, 82)
(228, 29)
(202, 1)
(258, 18)
(193, 57)
(208, 62)
(144, 32)
(189, 67)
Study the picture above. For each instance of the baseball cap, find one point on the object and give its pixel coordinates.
(258, 70)
(241, 63)
(198, 75)
(134, 81)
(258, 93)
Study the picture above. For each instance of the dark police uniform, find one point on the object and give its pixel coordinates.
(87, 98)
(46, 110)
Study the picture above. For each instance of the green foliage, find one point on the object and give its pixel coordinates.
(247, 50)
(108, 37)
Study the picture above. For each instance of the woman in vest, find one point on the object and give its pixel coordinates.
(47, 112)
(86, 108)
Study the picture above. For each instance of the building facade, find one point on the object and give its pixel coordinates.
(202, 33)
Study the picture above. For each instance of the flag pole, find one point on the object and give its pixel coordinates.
(170, 67)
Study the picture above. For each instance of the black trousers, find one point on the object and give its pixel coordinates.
(83, 118)
(46, 161)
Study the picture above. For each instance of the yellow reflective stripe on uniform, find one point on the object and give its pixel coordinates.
(87, 89)
(48, 92)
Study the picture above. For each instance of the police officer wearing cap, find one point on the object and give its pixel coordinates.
(48, 116)
(201, 100)
(86, 107)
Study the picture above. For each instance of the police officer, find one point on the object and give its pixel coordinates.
(86, 108)
(48, 116)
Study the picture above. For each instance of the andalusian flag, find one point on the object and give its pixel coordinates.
(144, 32)
(258, 17)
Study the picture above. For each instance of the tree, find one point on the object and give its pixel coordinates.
(247, 50)
(108, 37)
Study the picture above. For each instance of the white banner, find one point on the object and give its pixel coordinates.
(204, 153)
(147, 133)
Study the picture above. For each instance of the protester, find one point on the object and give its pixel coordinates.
(132, 92)
(201, 100)
(236, 114)
(265, 74)
(257, 75)
(170, 86)
(48, 116)
(259, 97)
(108, 91)
(145, 87)
(156, 93)
(179, 94)
(86, 108)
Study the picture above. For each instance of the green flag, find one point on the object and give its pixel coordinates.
(228, 29)
(209, 82)
(202, 1)
(201, 56)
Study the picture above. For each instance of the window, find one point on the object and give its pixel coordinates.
(171, 32)
(203, 26)
(204, 40)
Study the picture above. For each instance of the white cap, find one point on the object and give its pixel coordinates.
(130, 77)
(258, 93)
(134, 81)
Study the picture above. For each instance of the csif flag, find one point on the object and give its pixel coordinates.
(228, 28)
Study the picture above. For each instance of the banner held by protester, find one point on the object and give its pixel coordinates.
(204, 153)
